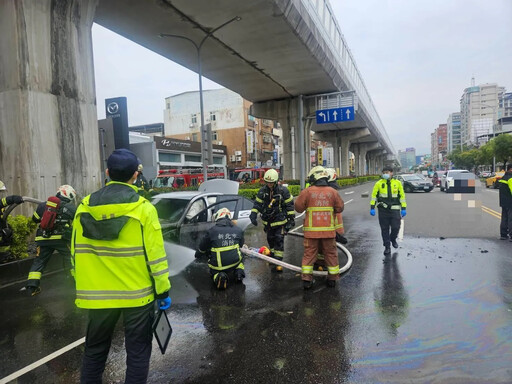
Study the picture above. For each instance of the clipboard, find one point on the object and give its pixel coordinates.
(162, 330)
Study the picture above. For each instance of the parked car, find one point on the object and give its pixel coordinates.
(493, 181)
(186, 216)
(447, 180)
(415, 182)
(436, 179)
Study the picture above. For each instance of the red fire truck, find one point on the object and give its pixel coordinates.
(173, 178)
(250, 175)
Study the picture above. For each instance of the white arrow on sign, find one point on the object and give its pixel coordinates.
(348, 114)
(335, 114)
(321, 114)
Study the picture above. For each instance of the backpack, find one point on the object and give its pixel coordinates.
(50, 215)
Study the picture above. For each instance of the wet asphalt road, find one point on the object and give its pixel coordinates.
(435, 311)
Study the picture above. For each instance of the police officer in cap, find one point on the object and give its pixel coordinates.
(389, 197)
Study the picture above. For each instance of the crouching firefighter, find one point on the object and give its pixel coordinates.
(55, 218)
(321, 203)
(223, 242)
(275, 204)
(5, 229)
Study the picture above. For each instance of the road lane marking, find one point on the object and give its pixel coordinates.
(349, 193)
(346, 202)
(42, 361)
(401, 231)
(293, 230)
(491, 212)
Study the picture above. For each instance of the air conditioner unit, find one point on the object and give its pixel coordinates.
(219, 142)
(238, 153)
(239, 158)
(232, 158)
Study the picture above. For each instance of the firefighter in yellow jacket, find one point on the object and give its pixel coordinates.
(120, 268)
(321, 203)
(389, 197)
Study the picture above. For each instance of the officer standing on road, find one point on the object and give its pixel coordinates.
(389, 197)
(321, 203)
(505, 184)
(120, 268)
(223, 242)
(54, 239)
(275, 204)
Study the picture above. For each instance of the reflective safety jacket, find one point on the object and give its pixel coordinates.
(505, 184)
(275, 205)
(223, 242)
(388, 194)
(141, 183)
(117, 250)
(338, 219)
(62, 228)
(321, 203)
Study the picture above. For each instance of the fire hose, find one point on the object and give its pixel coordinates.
(254, 252)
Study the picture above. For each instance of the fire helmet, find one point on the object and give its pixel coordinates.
(332, 174)
(67, 191)
(271, 176)
(223, 212)
(317, 173)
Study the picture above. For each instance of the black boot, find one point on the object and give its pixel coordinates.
(331, 283)
(221, 282)
(394, 244)
(307, 284)
(387, 250)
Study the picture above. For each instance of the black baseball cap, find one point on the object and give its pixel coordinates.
(122, 160)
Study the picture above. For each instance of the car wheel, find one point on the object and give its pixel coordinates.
(407, 189)
(486, 185)
(441, 188)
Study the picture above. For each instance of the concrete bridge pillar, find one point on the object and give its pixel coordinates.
(48, 120)
(346, 138)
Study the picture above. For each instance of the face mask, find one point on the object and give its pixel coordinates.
(385, 176)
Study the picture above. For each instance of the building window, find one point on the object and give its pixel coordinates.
(214, 136)
(213, 117)
(193, 158)
(169, 157)
(217, 160)
(194, 137)
(194, 119)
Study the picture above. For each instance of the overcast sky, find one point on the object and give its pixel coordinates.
(416, 58)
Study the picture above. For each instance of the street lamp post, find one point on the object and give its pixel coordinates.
(205, 131)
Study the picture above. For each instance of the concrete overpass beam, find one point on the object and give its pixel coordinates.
(48, 123)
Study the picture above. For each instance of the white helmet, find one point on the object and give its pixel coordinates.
(271, 176)
(2, 186)
(67, 191)
(332, 174)
(223, 212)
(140, 167)
(317, 173)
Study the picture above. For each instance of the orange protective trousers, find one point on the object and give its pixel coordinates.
(329, 250)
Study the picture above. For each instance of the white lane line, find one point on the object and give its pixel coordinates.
(401, 231)
(349, 193)
(293, 230)
(366, 192)
(42, 361)
(300, 214)
(346, 202)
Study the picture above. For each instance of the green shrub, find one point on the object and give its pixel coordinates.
(294, 189)
(249, 193)
(22, 228)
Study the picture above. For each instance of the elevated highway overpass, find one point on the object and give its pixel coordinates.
(279, 54)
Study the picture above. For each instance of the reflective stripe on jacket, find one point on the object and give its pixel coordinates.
(275, 205)
(117, 250)
(388, 194)
(321, 203)
(223, 242)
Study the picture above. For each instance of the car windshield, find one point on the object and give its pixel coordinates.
(412, 178)
(170, 209)
(161, 182)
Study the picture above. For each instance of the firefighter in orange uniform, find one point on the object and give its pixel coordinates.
(321, 203)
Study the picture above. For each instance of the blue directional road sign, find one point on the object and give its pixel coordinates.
(335, 115)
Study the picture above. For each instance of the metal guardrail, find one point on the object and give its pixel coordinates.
(322, 13)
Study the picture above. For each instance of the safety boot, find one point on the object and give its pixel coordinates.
(307, 284)
(394, 244)
(34, 290)
(221, 282)
(331, 283)
(279, 268)
(387, 250)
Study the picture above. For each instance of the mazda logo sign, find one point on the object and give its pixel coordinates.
(112, 108)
